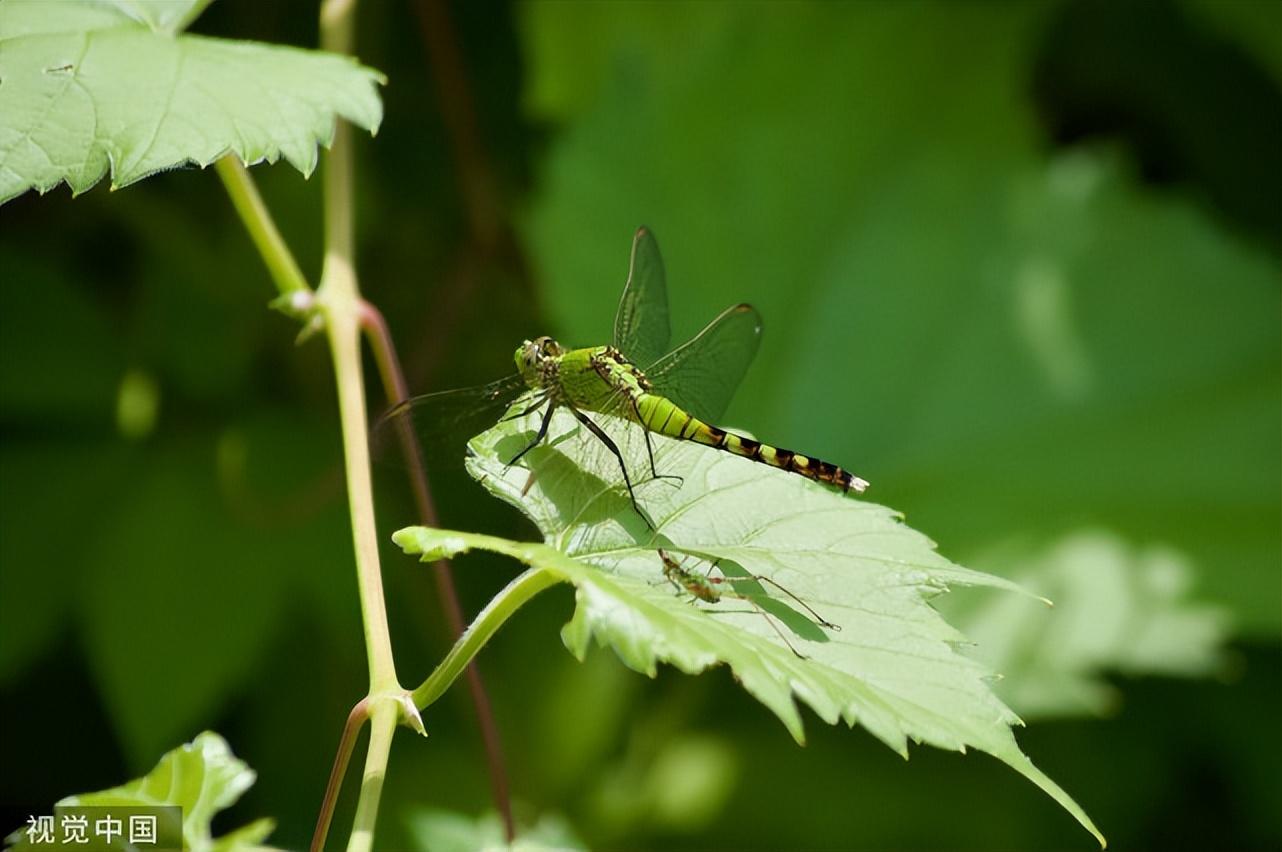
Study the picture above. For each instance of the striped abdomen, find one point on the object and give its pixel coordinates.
(661, 415)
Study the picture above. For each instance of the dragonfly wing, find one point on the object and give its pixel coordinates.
(641, 328)
(443, 422)
(703, 373)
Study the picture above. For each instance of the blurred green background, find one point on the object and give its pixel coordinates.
(1021, 267)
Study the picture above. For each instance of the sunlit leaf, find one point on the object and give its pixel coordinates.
(888, 663)
(87, 88)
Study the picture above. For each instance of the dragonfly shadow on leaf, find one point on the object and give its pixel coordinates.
(557, 492)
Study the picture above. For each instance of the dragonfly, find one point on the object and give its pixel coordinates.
(712, 589)
(678, 393)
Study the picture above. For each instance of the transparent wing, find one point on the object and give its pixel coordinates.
(440, 424)
(703, 373)
(641, 328)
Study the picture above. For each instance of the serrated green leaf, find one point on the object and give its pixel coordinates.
(87, 88)
(1118, 608)
(893, 666)
(202, 777)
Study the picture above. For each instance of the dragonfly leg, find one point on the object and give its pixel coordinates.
(533, 407)
(649, 449)
(538, 439)
(614, 448)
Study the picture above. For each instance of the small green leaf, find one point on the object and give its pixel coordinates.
(88, 87)
(203, 778)
(890, 663)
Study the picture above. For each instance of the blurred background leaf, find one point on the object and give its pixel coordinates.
(1117, 609)
(1018, 266)
(443, 831)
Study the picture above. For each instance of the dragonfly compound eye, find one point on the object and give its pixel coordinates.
(527, 355)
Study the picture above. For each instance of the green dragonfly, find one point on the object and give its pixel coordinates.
(678, 393)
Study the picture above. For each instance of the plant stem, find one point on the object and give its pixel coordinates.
(338, 299)
(347, 742)
(337, 25)
(262, 228)
(489, 620)
(383, 718)
(389, 366)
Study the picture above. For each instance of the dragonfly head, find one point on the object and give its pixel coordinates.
(533, 357)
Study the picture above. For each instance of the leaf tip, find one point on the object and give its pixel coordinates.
(429, 544)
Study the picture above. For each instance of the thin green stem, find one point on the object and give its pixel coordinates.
(347, 742)
(337, 25)
(262, 228)
(337, 34)
(383, 719)
(389, 367)
(487, 622)
(339, 301)
(340, 231)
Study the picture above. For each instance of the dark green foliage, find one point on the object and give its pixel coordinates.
(1050, 303)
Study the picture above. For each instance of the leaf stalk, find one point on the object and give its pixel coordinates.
(396, 390)
(346, 743)
(249, 205)
(513, 596)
